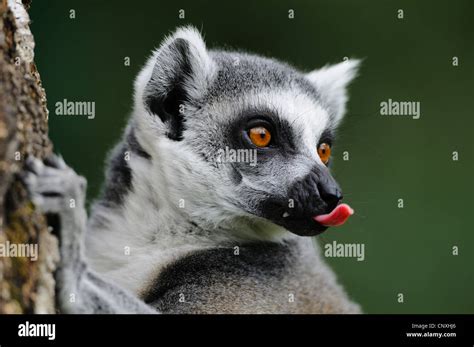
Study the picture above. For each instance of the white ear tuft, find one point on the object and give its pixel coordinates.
(179, 72)
(168, 61)
(202, 66)
(331, 83)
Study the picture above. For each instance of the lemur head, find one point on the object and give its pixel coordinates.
(238, 137)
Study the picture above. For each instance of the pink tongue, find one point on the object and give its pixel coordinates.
(338, 216)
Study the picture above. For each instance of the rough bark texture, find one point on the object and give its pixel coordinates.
(26, 286)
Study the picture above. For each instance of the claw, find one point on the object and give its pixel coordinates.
(33, 164)
(55, 161)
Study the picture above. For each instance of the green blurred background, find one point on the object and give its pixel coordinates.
(407, 250)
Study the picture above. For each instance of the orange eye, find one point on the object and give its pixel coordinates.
(260, 136)
(324, 152)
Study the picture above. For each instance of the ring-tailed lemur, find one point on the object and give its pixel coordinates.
(177, 230)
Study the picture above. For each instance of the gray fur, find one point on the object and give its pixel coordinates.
(239, 73)
(81, 290)
(264, 277)
(184, 233)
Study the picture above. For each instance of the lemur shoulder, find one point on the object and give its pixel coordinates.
(177, 231)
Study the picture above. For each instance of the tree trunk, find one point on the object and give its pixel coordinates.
(26, 285)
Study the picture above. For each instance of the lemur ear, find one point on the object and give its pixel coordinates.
(331, 83)
(182, 71)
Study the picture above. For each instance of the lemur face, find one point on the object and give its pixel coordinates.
(241, 136)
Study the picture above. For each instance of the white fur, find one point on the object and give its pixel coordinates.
(203, 67)
(151, 211)
(331, 82)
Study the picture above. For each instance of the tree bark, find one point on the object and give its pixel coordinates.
(26, 286)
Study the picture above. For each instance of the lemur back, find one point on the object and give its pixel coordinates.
(258, 277)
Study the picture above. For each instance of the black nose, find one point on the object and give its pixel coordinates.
(330, 194)
(314, 194)
(329, 190)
